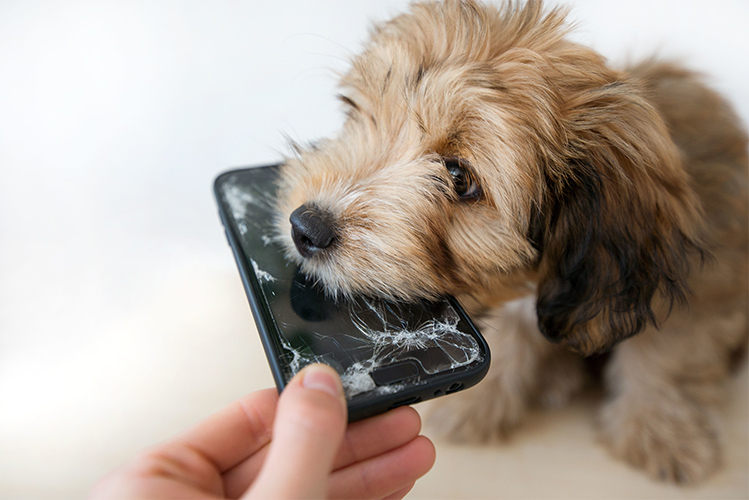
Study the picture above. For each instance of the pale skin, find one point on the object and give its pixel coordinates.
(297, 445)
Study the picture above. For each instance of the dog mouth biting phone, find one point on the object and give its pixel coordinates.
(572, 207)
(387, 353)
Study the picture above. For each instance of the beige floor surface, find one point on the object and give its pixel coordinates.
(75, 412)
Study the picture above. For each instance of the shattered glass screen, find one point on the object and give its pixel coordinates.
(377, 347)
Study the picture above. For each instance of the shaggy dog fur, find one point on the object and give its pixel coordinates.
(569, 205)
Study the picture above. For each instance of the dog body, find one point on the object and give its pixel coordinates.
(567, 204)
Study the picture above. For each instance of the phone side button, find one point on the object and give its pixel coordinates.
(396, 372)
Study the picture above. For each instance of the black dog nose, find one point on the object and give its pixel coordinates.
(312, 229)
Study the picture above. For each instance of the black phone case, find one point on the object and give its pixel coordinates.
(443, 383)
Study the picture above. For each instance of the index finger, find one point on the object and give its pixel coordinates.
(236, 432)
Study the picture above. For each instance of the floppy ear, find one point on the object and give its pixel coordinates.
(617, 226)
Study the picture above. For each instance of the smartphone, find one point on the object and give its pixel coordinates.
(388, 354)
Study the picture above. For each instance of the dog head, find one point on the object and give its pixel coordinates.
(483, 151)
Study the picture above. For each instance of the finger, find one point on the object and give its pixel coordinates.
(376, 435)
(363, 440)
(386, 474)
(400, 493)
(165, 471)
(229, 436)
(310, 424)
(238, 479)
(191, 463)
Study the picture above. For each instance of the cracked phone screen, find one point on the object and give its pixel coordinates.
(376, 346)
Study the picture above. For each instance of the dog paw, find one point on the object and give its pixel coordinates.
(475, 416)
(670, 438)
(561, 377)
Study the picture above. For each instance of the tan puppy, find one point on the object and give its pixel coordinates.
(569, 205)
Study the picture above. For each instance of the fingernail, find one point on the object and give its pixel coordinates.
(322, 378)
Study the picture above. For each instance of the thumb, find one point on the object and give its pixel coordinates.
(308, 430)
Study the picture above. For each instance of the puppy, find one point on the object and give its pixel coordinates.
(575, 208)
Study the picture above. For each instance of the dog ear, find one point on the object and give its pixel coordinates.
(617, 226)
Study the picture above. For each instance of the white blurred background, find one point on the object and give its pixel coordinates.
(122, 318)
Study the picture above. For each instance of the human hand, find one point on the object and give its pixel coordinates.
(295, 446)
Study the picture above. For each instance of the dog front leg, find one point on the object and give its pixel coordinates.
(660, 415)
(491, 409)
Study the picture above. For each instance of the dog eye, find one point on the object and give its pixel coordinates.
(463, 180)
